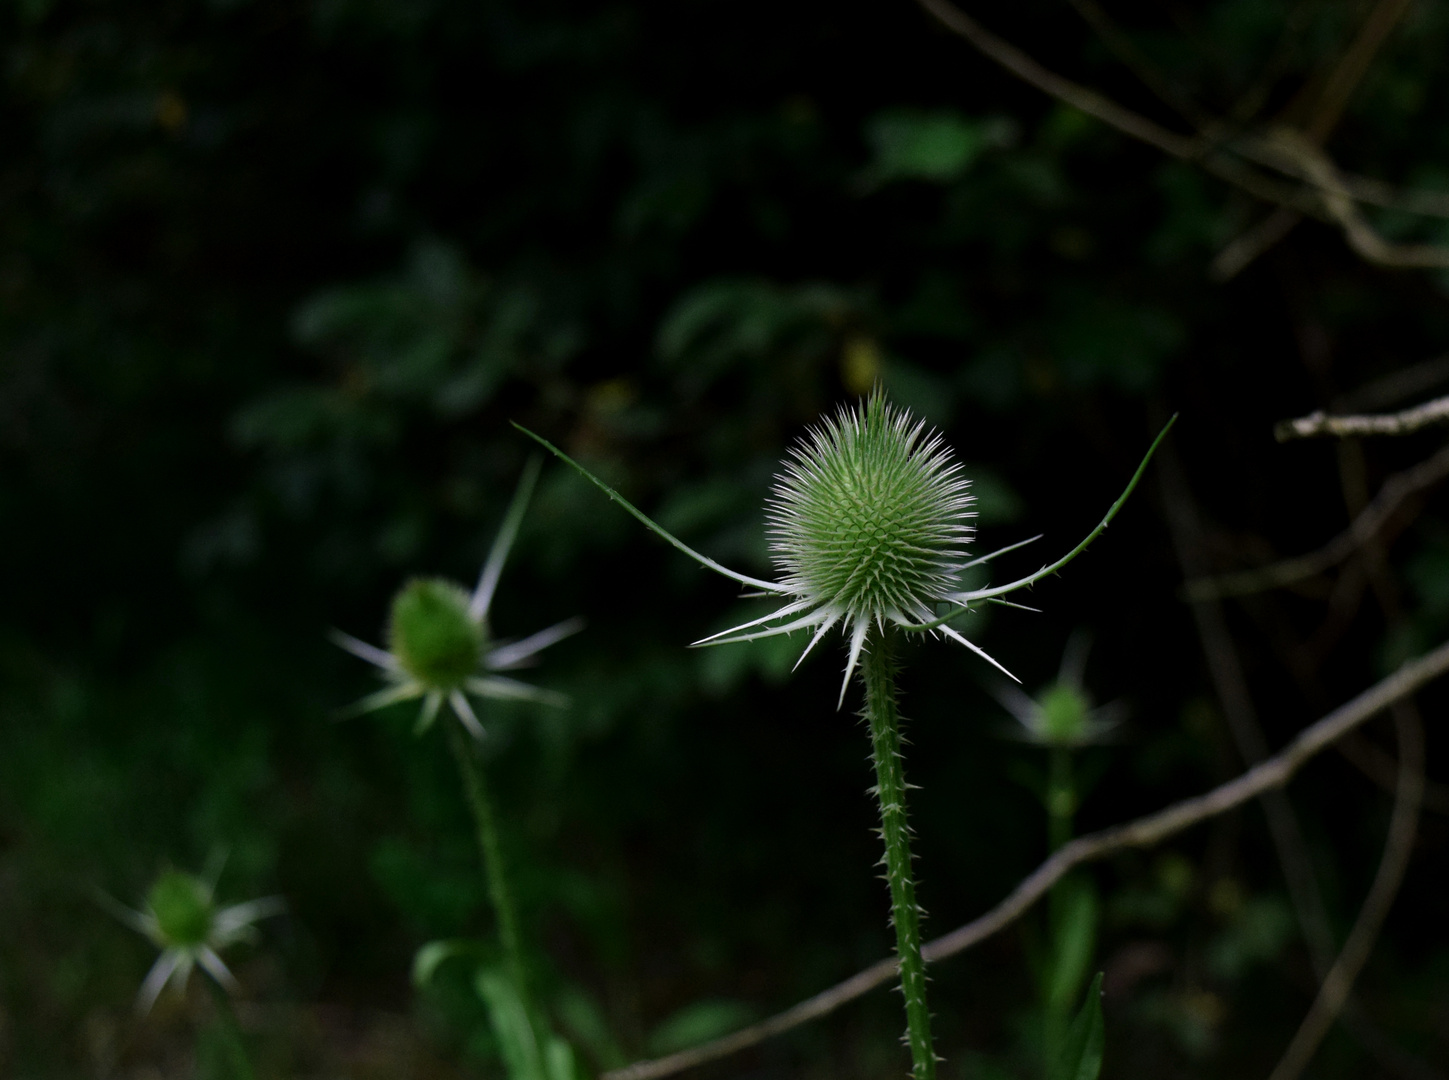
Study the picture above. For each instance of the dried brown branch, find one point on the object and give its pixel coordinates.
(1327, 111)
(1247, 246)
(1063, 89)
(1268, 775)
(1398, 850)
(1326, 198)
(1395, 491)
(1353, 66)
(1400, 423)
(1124, 49)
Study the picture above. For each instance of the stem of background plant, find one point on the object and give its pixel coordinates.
(486, 826)
(1061, 805)
(1061, 797)
(238, 1061)
(878, 672)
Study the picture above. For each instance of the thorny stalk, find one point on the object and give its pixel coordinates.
(879, 676)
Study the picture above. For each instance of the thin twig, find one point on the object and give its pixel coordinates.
(1122, 46)
(1327, 111)
(1327, 198)
(1400, 423)
(1248, 245)
(1383, 769)
(1063, 89)
(1391, 496)
(1398, 849)
(1353, 66)
(1230, 682)
(1147, 831)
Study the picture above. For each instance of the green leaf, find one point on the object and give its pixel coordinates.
(1073, 939)
(933, 146)
(1081, 1056)
(560, 1063)
(697, 1023)
(512, 1026)
(434, 954)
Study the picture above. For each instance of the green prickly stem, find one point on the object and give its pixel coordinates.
(878, 672)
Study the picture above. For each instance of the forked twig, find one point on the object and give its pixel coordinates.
(1268, 775)
(1397, 489)
(1327, 197)
(1399, 423)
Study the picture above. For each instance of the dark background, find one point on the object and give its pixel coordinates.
(274, 277)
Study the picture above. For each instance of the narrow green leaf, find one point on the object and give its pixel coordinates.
(512, 1025)
(668, 537)
(1081, 1057)
(1074, 938)
(432, 956)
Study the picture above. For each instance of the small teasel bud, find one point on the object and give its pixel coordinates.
(183, 909)
(1065, 716)
(434, 637)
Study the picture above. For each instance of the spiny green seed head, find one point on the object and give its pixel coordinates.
(1065, 716)
(183, 909)
(433, 636)
(870, 515)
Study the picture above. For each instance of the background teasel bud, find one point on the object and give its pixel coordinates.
(183, 920)
(434, 637)
(183, 909)
(1062, 715)
(440, 650)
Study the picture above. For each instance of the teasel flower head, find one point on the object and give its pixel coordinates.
(440, 647)
(868, 523)
(182, 918)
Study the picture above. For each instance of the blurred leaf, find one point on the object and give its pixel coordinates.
(697, 1023)
(933, 146)
(514, 1028)
(1074, 939)
(1081, 1057)
(724, 324)
(434, 954)
(1257, 933)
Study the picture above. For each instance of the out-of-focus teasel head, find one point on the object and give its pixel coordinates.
(182, 918)
(440, 648)
(1062, 715)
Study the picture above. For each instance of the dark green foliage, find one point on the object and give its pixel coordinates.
(274, 277)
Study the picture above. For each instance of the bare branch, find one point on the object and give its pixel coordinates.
(1354, 66)
(1267, 775)
(1327, 198)
(1399, 423)
(1122, 47)
(1074, 94)
(1398, 849)
(1247, 246)
(1396, 490)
